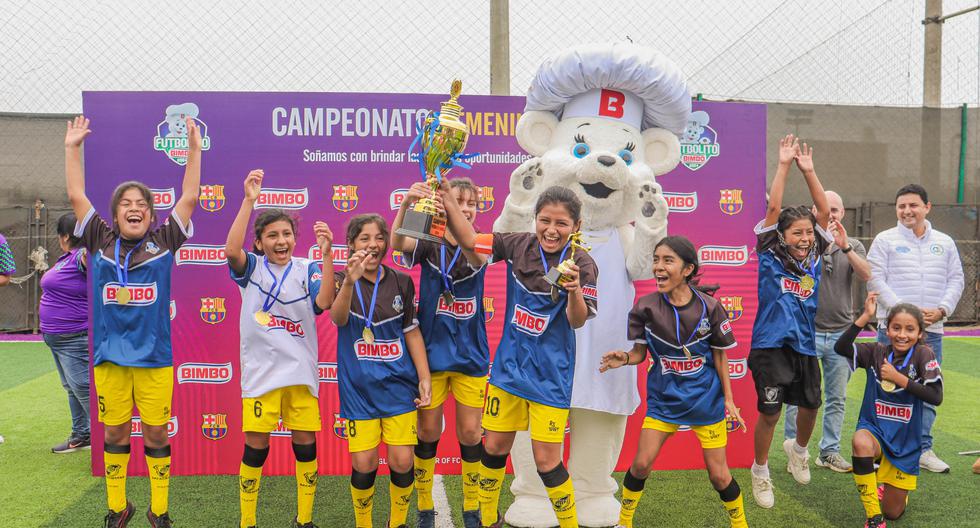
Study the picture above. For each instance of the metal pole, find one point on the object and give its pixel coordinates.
(500, 47)
(932, 59)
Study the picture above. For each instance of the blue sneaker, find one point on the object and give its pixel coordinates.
(471, 519)
(426, 519)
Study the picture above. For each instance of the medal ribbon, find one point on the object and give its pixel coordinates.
(544, 263)
(271, 298)
(368, 316)
(122, 271)
(442, 266)
(677, 318)
(904, 363)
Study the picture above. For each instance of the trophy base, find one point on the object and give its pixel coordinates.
(422, 226)
(554, 277)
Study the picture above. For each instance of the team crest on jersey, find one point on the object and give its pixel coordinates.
(206, 373)
(339, 426)
(732, 422)
(731, 201)
(171, 138)
(173, 310)
(338, 253)
(793, 286)
(283, 199)
(396, 198)
(699, 142)
(152, 248)
(723, 255)
(201, 254)
(484, 199)
(212, 197)
(460, 309)
(737, 368)
(399, 259)
(704, 326)
(163, 199)
(732, 305)
(681, 366)
(140, 294)
(136, 427)
(344, 197)
(285, 324)
(213, 309)
(397, 304)
(488, 309)
(281, 430)
(895, 412)
(681, 202)
(214, 426)
(529, 322)
(327, 372)
(387, 350)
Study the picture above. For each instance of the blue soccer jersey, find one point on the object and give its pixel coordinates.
(787, 293)
(895, 418)
(131, 329)
(535, 359)
(682, 390)
(377, 380)
(454, 328)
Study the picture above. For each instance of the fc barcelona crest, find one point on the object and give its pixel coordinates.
(212, 197)
(215, 426)
(732, 305)
(488, 308)
(731, 201)
(484, 200)
(213, 309)
(339, 426)
(345, 197)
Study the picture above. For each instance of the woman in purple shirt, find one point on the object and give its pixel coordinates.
(64, 324)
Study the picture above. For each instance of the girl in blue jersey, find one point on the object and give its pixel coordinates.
(531, 383)
(454, 328)
(901, 377)
(687, 334)
(383, 375)
(783, 358)
(130, 263)
(281, 297)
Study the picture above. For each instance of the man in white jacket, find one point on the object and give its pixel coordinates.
(914, 263)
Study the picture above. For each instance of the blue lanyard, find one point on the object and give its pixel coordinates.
(122, 272)
(544, 263)
(442, 266)
(271, 298)
(813, 267)
(677, 318)
(368, 316)
(907, 358)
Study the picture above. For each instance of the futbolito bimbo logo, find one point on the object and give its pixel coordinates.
(171, 138)
(163, 199)
(730, 202)
(344, 198)
(292, 199)
(699, 142)
(212, 198)
(213, 309)
(214, 426)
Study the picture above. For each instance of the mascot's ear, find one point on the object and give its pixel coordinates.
(661, 149)
(534, 131)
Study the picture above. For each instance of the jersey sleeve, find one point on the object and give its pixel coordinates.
(766, 237)
(7, 264)
(722, 336)
(423, 249)
(588, 279)
(499, 246)
(313, 279)
(928, 368)
(173, 233)
(242, 280)
(864, 354)
(407, 289)
(93, 231)
(636, 329)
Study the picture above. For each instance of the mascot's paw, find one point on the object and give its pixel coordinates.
(597, 511)
(525, 183)
(529, 511)
(653, 206)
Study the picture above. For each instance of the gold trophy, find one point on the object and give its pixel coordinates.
(558, 275)
(442, 139)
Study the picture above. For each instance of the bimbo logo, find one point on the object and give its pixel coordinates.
(201, 254)
(611, 103)
(723, 255)
(171, 138)
(173, 310)
(281, 430)
(293, 328)
(895, 412)
(206, 373)
(283, 199)
(590, 292)
(136, 427)
(488, 308)
(344, 197)
(793, 286)
(733, 305)
(163, 199)
(213, 309)
(338, 253)
(139, 294)
(529, 322)
(699, 142)
(390, 350)
(730, 201)
(396, 198)
(327, 372)
(459, 309)
(484, 200)
(737, 368)
(681, 202)
(214, 426)
(212, 197)
(681, 366)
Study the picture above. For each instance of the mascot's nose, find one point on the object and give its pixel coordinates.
(608, 161)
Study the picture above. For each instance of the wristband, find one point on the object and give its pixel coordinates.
(847, 250)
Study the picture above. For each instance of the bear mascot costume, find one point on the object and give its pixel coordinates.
(603, 121)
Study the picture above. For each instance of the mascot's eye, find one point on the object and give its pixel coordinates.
(627, 156)
(580, 150)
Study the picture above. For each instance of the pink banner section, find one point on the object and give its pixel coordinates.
(329, 156)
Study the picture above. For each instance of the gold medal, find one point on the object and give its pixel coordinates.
(368, 336)
(888, 385)
(263, 318)
(686, 352)
(448, 298)
(123, 296)
(807, 282)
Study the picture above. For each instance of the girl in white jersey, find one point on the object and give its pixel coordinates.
(281, 297)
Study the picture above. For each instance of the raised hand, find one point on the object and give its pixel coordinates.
(193, 135)
(789, 147)
(77, 131)
(253, 184)
(871, 304)
(804, 158)
(613, 359)
(572, 285)
(416, 192)
(324, 237)
(839, 233)
(356, 264)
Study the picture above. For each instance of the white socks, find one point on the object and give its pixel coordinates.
(760, 471)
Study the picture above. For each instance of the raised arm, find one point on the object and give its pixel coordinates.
(788, 148)
(461, 229)
(324, 239)
(340, 307)
(74, 174)
(234, 245)
(804, 160)
(190, 189)
(845, 344)
(856, 259)
(402, 243)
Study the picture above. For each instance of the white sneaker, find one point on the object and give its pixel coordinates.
(762, 492)
(930, 462)
(797, 465)
(835, 462)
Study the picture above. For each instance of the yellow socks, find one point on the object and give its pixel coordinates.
(731, 498)
(306, 477)
(562, 496)
(492, 468)
(362, 495)
(632, 491)
(425, 466)
(249, 477)
(400, 489)
(116, 465)
(867, 485)
(471, 475)
(158, 463)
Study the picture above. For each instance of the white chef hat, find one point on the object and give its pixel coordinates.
(623, 81)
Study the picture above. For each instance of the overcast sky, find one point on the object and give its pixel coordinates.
(844, 52)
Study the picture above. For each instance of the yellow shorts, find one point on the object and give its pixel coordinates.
(299, 409)
(504, 413)
(468, 390)
(398, 430)
(119, 388)
(889, 474)
(711, 436)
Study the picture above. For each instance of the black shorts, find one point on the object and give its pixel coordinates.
(783, 375)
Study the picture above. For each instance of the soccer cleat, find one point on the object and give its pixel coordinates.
(762, 492)
(471, 519)
(797, 465)
(72, 444)
(310, 524)
(159, 521)
(835, 462)
(426, 519)
(878, 521)
(930, 462)
(119, 519)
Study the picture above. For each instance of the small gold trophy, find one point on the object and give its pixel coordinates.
(443, 138)
(558, 275)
